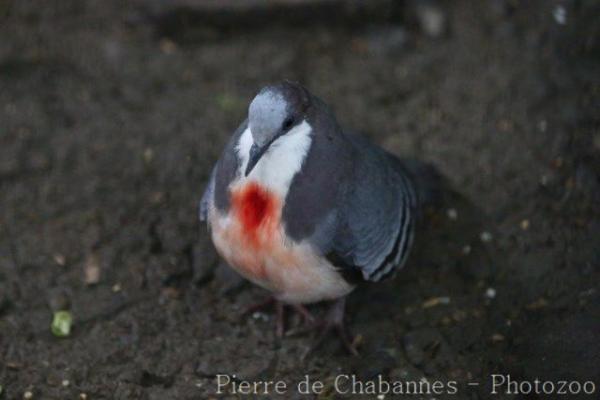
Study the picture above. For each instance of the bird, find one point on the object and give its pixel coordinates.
(309, 210)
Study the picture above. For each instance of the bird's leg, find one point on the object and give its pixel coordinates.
(334, 321)
(279, 313)
(279, 319)
(306, 315)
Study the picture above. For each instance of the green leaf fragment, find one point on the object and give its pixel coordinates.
(227, 102)
(61, 323)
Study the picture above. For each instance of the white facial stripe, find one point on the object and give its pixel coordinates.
(277, 167)
(243, 148)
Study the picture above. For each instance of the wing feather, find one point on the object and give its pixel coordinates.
(377, 215)
(207, 197)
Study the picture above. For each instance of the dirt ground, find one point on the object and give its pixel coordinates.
(111, 117)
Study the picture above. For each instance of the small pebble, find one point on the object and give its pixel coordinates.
(28, 395)
(525, 224)
(167, 46)
(262, 316)
(91, 270)
(490, 293)
(171, 292)
(452, 214)
(380, 396)
(148, 155)
(560, 15)
(60, 259)
(116, 287)
(157, 197)
(466, 250)
(432, 19)
(435, 301)
(536, 305)
(65, 383)
(13, 365)
(83, 396)
(486, 237)
(496, 337)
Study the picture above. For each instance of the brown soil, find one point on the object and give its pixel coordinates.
(109, 125)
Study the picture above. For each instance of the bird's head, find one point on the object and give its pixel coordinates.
(274, 112)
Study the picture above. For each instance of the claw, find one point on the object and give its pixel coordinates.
(334, 321)
(280, 323)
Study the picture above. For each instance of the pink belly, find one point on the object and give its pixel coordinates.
(250, 238)
(253, 229)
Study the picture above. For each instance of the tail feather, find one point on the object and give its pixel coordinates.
(428, 182)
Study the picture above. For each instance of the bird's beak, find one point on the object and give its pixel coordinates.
(256, 152)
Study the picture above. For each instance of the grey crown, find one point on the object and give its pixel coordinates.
(353, 201)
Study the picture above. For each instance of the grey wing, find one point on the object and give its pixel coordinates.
(216, 193)
(207, 197)
(376, 218)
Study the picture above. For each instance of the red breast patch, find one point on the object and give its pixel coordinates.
(256, 209)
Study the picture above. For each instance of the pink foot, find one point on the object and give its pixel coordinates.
(334, 321)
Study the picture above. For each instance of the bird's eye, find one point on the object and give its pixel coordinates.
(287, 124)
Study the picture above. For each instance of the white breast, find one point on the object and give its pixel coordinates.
(282, 161)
